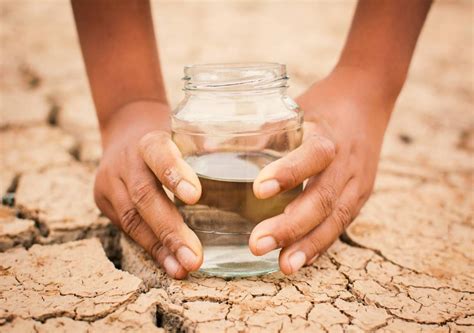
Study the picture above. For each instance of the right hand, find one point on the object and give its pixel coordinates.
(139, 157)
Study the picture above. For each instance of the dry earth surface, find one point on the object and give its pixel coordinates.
(406, 264)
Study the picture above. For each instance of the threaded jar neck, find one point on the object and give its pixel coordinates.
(235, 77)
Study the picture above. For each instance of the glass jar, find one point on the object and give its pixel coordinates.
(234, 120)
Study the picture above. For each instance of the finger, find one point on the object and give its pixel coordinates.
(303, 214)
(165, 160)
(140, 234)
(161, 215)
(309, 159)
(134, 226)
(168, 261)
(316, 242)
(105, 207)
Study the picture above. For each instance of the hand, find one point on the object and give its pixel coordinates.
(346, 115)
(139, 157)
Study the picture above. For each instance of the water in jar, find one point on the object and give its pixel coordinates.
(228, 210)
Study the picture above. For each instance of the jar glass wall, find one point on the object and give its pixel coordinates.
(234, 120)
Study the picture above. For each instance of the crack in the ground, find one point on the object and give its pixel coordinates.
(464, 138)
(53, 114)
(179, 321)
(75, 316)
(349, 287)
(364, 301)
(8, 199)
(345, 238)
(30, 76)
(40, 226)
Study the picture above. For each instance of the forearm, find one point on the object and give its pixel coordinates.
(120, 54)
(382, 39)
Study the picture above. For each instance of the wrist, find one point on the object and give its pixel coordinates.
(349, 93)
(377, 82)
(133, 120)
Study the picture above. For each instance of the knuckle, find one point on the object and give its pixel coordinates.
(342, 217)
(151, 139)
(155, 249)
(323, 148)
(169, 238)
(130, 221)
(328, 150)
(170, 177)
(142, 194)
(325, 199)
(290, 234)
(146, 140)
(363, 191)
(291, 175)
(315, 245)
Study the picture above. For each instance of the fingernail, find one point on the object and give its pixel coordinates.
(312, 260)
(266, 244)
(171, 265)
(297, 260)
(268, 188)
(186, 191)
(186, 257)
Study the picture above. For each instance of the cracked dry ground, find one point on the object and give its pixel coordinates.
(406, 264)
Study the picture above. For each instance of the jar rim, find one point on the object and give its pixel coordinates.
(235, 76)
(235, 65)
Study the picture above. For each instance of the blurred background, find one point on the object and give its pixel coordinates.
(43, 81)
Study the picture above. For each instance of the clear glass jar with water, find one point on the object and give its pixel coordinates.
(234, 120)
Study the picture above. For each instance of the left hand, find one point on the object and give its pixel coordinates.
(346, 115)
